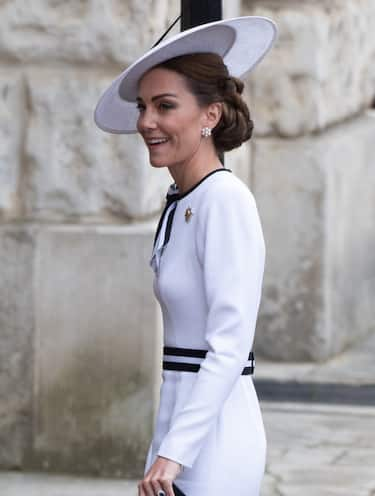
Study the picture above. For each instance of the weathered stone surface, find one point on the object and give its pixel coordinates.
(16, 338)
(316, 200)
(88, 31)
(76, 171)
(321, 69)
(96, 351)
(80, 348)
(12, 122)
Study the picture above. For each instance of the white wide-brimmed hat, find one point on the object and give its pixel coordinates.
(242, 42)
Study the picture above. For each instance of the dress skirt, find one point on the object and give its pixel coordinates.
(232, 459)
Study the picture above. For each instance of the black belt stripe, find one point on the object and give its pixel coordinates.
(191, 352)
(194, 367)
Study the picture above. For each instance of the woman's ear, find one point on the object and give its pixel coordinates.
(213, 114)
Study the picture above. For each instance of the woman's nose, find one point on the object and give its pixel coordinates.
(146, 120)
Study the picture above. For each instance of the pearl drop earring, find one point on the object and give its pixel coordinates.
(206, 131)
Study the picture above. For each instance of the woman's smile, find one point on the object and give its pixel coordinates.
(154, 143)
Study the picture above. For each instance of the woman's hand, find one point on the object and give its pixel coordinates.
(160, 476)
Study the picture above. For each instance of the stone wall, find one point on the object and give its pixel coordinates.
(313, 176)
(56, 59)
(316, 199)
(79, 327)
(80, 347)
(320, 72)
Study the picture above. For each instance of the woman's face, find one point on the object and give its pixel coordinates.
(170, 120)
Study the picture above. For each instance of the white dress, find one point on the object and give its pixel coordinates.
(208, 281)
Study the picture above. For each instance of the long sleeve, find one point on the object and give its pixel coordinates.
(231, 250)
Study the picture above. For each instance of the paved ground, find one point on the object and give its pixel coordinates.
(318, 450)
(12, 484)
(314, 449)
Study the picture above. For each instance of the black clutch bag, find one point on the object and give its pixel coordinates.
(177, 491)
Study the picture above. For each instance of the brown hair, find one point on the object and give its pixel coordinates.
(209, 80)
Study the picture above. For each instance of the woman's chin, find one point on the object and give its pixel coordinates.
(157, 162)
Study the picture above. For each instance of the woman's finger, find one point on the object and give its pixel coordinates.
(161, 484)
(167, 487)
(156, 487)
(146, 489)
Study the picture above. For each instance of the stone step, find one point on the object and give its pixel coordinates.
(348, 378)
(315, 392)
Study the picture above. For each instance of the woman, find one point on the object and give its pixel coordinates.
(208, 255)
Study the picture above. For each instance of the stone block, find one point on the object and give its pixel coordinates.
(17, 249)
(76, 172)
(239, 161)
(86, 31)
(316, 201)
(97, 350)
(321, 69)
(12, 119)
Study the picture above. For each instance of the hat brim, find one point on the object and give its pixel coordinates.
(242, 42)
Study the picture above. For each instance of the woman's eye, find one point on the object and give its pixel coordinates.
(162, 106)
(166, 106)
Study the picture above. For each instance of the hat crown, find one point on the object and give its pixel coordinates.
(181, 44)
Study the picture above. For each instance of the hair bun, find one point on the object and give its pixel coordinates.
(230, 85)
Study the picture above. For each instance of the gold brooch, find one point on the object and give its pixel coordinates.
(188, 214)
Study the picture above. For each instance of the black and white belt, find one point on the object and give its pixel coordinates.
(196, 356)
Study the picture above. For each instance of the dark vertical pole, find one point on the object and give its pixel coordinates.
(196, 12)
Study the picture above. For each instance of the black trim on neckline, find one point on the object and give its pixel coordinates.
(182, 195)
(171, 198)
